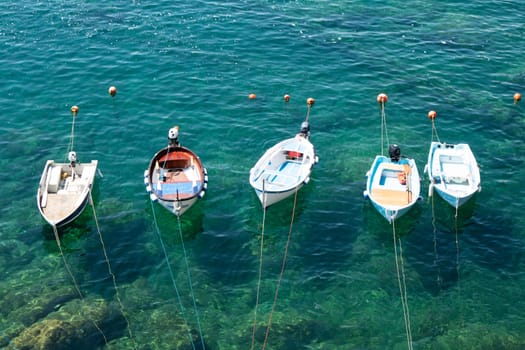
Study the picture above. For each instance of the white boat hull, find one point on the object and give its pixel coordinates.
(282, 170)
(388, 194)
(63, 191)
(453, 172)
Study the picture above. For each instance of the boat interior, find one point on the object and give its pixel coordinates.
(391, 184)
(179, 176)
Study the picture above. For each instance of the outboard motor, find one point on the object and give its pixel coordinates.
(394, 152)
(173, 136)
(305, 129)
(72, 156)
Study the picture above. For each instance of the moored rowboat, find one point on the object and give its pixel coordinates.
(285, 167)
(453, 172)
(175, 177)
(63, 191)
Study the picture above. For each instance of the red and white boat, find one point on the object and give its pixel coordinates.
(175, 177)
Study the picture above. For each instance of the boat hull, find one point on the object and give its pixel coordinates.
(392, 187)
(62, 196)
(283, 169)
(453, 172)
(176, 179)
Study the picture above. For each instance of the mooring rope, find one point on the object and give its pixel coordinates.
(384, 130)
(402, 286)
(57, 238)
(434, 132)
(110, 271)
(458, 270)
(71, 142)
(190, 283)
(72, 138)
(183, 314)
(403, 274)
(457, 240)
(260, 267)
(436, 257)
(282, 268)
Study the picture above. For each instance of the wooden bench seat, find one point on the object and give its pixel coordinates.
(391, 197)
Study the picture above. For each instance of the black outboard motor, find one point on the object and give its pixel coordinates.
(173, 136)
(305, 129)
(394, 152)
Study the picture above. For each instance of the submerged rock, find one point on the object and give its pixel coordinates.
(291, 332)
(79, 324)
(48, 334)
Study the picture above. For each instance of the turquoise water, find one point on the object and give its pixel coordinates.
(194, 65)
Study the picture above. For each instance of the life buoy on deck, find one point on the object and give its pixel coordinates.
(294, 154)
(402, 177)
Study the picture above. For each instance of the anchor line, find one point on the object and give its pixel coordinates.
(190, 283)
(55, 231)
(279, 280)
(164, 250)
(308, 113)
(260, 267)
(434, 132)
(458, 270)
(71, 141)
(457, 240)
(436, 257)
(110, 271)
(401, 279)
(384, 130)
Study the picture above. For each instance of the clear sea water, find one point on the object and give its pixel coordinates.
(193, 64)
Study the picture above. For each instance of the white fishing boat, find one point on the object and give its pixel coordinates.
(64, 188)
(175, 177)
(453, 172)
(392, 183)
(285, 167)
(452, 169)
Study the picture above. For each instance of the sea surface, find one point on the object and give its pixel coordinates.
(130, 275)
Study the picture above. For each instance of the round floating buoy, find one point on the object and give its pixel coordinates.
(517, 97)
(432, 115)
(286, 98)
(112, 91)
(310, 101)
(382, 98)
(252, 96)
(74, 110)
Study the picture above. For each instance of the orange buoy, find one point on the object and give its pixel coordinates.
(517, 97)
(286, 98)
(432, 115)
(310, 101)
(252, 96)
(74, 110)
(112, 91)
(382, 98)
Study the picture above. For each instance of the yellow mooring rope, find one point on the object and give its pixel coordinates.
(164, 250)
(110, 271)
(436, 257)
(458, 270)
(260, 267)
(282, 268)
(402, 285)
(57, 238)
(190, 283)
